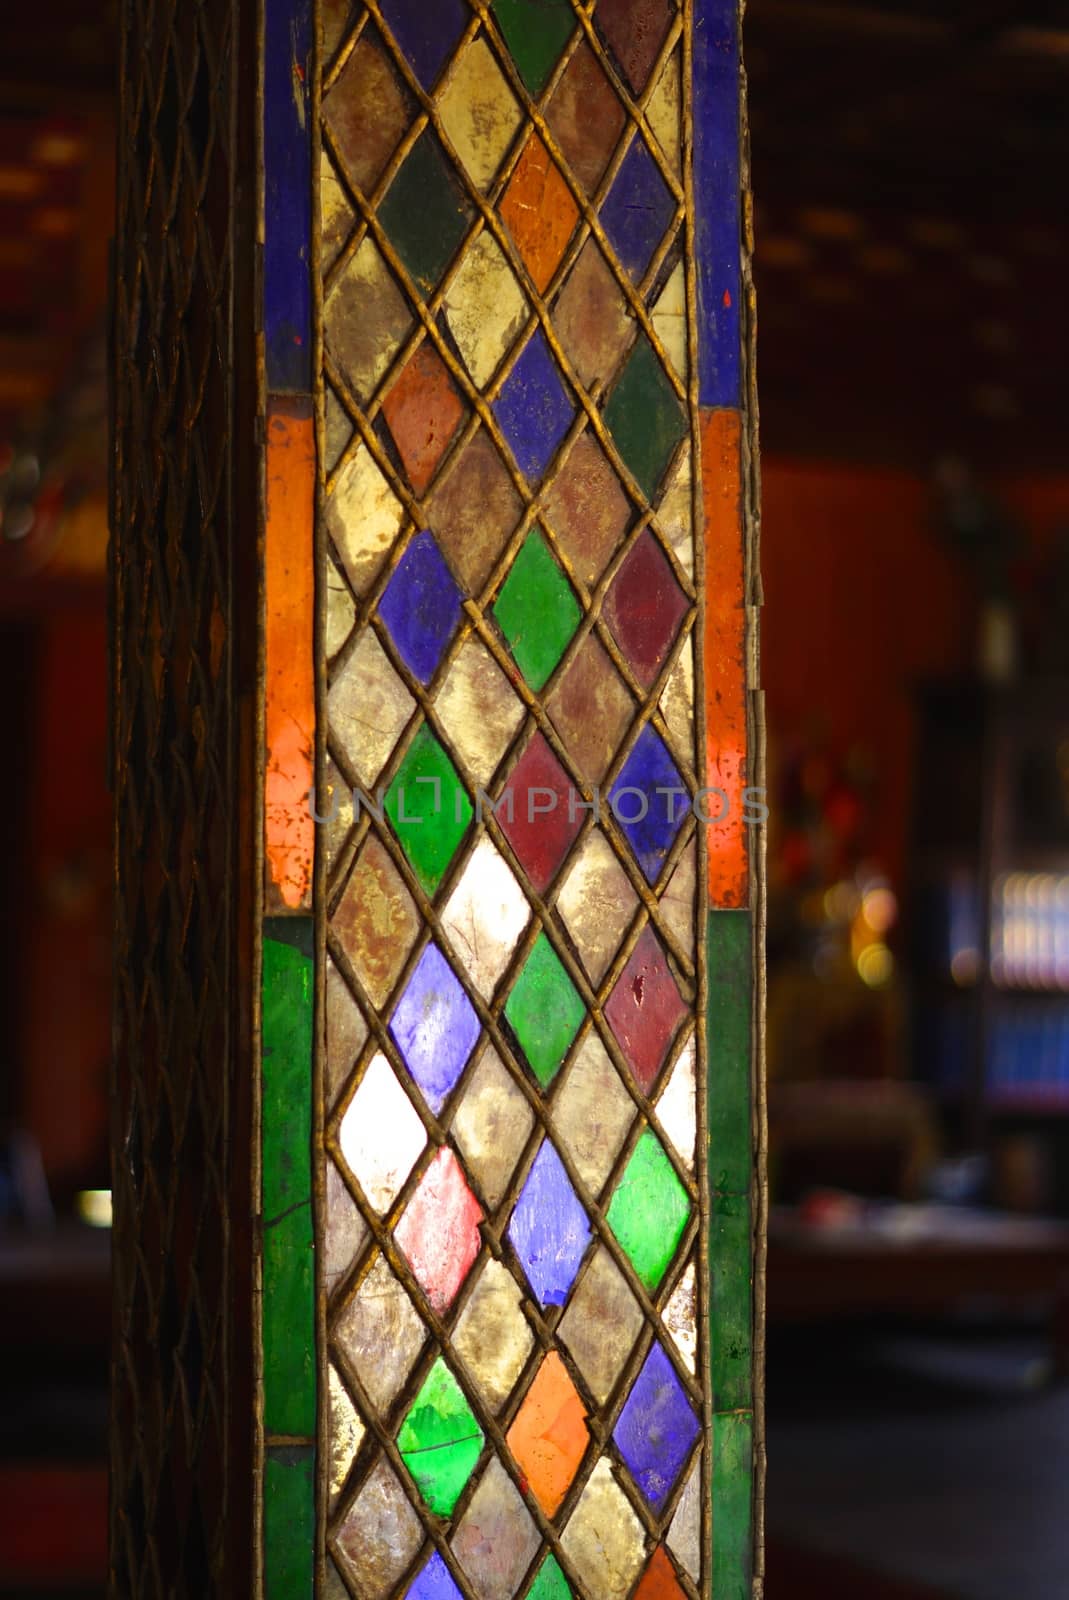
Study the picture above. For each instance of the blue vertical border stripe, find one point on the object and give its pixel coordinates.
(717, 201)
(287, 147)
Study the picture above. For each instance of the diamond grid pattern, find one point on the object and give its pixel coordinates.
(436, 296)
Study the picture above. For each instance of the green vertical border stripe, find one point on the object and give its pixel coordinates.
(731, 1287)
(733, 1505)
(289, 1523)
(289, 1380)
(728, 1026)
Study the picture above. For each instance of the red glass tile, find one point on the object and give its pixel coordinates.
(645, 1009)
(644, 607)
(542, 827)
(634, 30)
(423, 411)
(439, 1232)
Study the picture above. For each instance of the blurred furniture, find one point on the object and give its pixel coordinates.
(875, 1138)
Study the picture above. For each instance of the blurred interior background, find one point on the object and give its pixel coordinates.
(909, 162)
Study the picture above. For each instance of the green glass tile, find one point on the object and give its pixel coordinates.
(727, 1031)
(440, 1440)
(536, 32)
(645, 418)
(289, 1523)
(649, 1210)
(730, 1273)
(288, 1329)
(429, 808)
(537, 610)
(425, 214)
(544, 1011)
(550, 1583)
(732, 1506)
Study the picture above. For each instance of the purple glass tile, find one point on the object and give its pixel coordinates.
(426, 33)
(656, 1428)
(534, 409)
(718, 245)
(287, 195)
(435, 1027)
(637, 209)
(435, 1582)
(650, 820)
(549, 1228)
(421, 606)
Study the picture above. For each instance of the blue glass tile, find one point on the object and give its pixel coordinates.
(287, 195)
(716, 200)
(637, 209)
(534, 409)
(549, 1229)
(650, 821)
(426, 33)
(421, 607)
(435, 1582)
(435, 1027)
(656, 1428)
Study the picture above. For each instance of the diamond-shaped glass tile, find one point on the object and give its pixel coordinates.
(586, 117)
(479, 113)
(591, 318)
(429, 808)
(424, 213)
(549, 1230)
(344, 1230)
(337, 221)
(680, 1317)
(363, 517)
(479, 710)
(440, 1440)
(485, 308)
(549, 1436)
(677, 702)
(485, 916)
(376, 921)
(601, 1324)
(650, 820)
(591, 709)
(534, 409)
(604, 1540)
(679, 900)
(496, 1540)
(664, 112)
(677, 1109)
(369, 707)
(425, 34)
(439, 1230)
(367, 109)
(536, 610)
(380, 1535)
(536, 32)
(421, 607)
(656, 1429)
(339, 429)
(685, 1533)
(550, 1582)
(492, 1336)
(423, 412)
(593, 1113)
(649, 1210)
(492, 1125)
(659, 1581)
(637, 209)
(334, 805)
(644, 607)
(669, 318)
(473, 510)
(341, 609)
(542, 818)
(645, 1009)
(634, 31)
(538, 209)
(587, 509)
(597, 903)
(435, 1027)
(381, 1136)
(346, 1032)
(544, 1011)
(435, 1582)
(645, 417)
(345, 1430)
(381, 1334)
(365, 320)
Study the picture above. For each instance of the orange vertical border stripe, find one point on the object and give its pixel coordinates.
(725, 657)
(290, 654)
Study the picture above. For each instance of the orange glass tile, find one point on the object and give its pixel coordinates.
(290, 656)
(423, 412)
(539, 212)
(659, 1581)
(725, 657)
(549, 1436)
